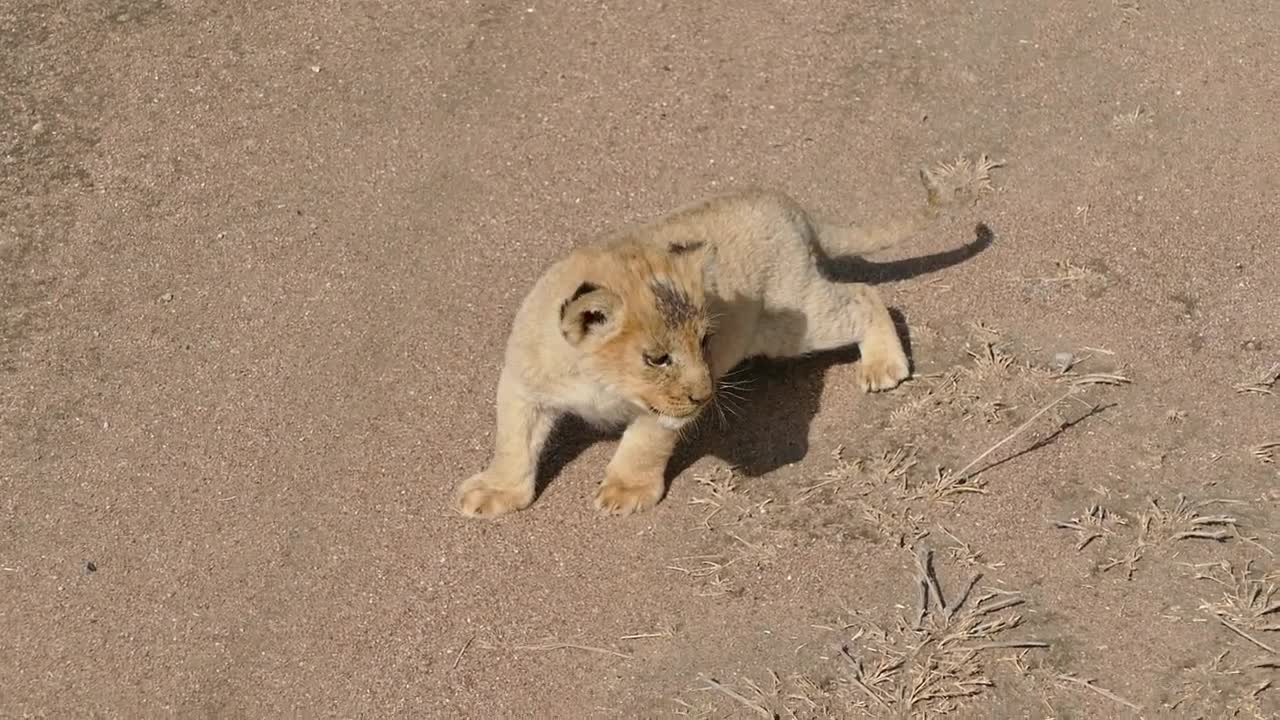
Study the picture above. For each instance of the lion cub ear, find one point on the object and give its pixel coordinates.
(698, 255)
(591, 312)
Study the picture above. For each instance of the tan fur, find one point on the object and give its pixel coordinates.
(638, 329)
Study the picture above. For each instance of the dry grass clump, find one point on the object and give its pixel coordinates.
(722, 499)
(1249, 599)
(965, 179)
(1154, 526)
(1096, 522)
(1226, 688)
(932, 662)
(927, 665)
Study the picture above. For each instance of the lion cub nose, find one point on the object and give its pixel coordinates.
(699, 399)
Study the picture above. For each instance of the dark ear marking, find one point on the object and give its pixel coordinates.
(589, 311)
(583, 289)
(591, 318)
(684, 248)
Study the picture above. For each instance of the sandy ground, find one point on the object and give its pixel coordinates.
(259, 260)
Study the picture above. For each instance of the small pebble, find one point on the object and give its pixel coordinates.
(1252, 345)
(1063, 361)
(167, 297)
(90, 567)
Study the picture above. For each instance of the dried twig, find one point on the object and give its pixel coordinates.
(929, 581)
(1079, 381)
(1076, 382)
(1265, 452)
(1012, 644)
(465, 645)
(1233, 628)
(664, 633)
(644, 636)
(712, 684)
(1092, 685)
(806, 492)
(1263, 386)
(1130, 561)
(571, 646)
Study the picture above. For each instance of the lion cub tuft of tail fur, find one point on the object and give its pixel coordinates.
(637, 330)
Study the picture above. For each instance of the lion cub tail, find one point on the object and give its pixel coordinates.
(945, 185)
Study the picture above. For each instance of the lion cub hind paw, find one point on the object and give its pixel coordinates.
(879, 374)
(478, 497)
(618, 498)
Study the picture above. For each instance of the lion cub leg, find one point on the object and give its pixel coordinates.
(636, 476)
(508, 483)
(855, 313)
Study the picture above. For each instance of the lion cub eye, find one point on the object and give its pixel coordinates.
(658, 360)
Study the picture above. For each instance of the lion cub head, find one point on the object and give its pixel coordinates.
(642, 323)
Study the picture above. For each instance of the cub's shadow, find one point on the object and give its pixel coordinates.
(763, 430)
(852, 268)
(767, 427)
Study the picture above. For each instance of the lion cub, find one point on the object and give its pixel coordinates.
(638, 329)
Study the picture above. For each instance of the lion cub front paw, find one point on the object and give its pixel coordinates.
(883, 371)
(623, 496)
(482, 496)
